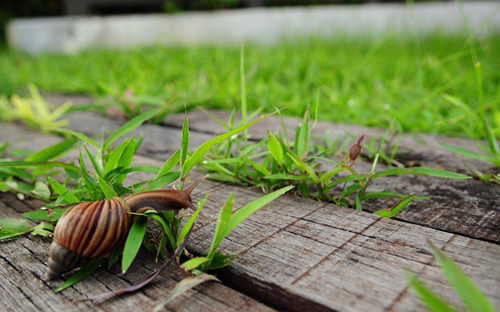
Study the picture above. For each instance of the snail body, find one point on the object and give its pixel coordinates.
(93, 229)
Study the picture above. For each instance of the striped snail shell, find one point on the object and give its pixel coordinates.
(93, 229)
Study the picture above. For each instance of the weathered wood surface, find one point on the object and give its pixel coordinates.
(23, 286)
(467, 207)
(293, 254)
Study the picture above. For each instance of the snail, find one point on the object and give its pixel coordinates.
(92, 229)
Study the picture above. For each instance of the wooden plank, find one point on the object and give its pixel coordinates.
(333, 258)
(299, 253)
(431, 153)
(23, 286)
(449, 207)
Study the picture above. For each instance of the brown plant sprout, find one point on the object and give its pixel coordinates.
(355, 150)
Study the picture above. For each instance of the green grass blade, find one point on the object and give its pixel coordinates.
(471, 295)
(10, 227)
(422, 171)
(466, 152)
(90, 182)
(222, 222)
(205, 147)
(243, 91)
(274, 146)
(302, 137)
(77, 135)
(492, 140)
(247, 210)
(130, 126)
(106, 189)
(304, 167)
(396, 208)
(82, 273)
(184, 146)
(388, 194)
(165, 228)
(113, 160)
(432, 301)
(166, 179)
(169, 164)
(187, 227)
(183, 286)
(327, 176)
(96, 162)
(133, 243)
(61, 189)
(52, 151)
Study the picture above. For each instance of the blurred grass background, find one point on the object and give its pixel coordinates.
(362, 80)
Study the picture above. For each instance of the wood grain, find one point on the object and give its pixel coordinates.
(294, 254)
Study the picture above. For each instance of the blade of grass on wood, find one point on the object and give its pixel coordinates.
(52, 151)
(131, 125)
(247, 210)
(82, 273)
(431, 300)
(133, 243)
(471, 295)
(205, 147)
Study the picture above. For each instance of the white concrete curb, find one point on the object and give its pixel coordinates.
(71, 34)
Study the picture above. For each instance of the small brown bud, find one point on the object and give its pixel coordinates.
(356, 149)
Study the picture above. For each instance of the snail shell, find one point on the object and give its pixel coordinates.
(92, 229)
(88, 230)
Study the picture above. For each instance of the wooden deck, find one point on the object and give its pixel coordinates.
(295, 254)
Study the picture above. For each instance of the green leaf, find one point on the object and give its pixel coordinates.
(205, 147)
(79, 135)
(422, 171)
(388, 194)
(274, 146)
(304, 167)
(327, 176)
(219, 260)
(96, 162)
(168, 165)
(396, 208)
(222, 222)
(492, 140)
(41, 190)
(82, 273)
(61, 190)
(45, 214)
(471, 295)
(285, 176)
(131, 125)
(133, 243)
(90, 182)
(166, 179)
(189, 224)
(431, 300)
(192, 264)
(106, 189)
(52, 151)
(10, 227)
(184, 145)
(467, 153)
(183, 286)
(113, 160)
(302, 136)
(247, 210)
(43, 229)
(165, 227)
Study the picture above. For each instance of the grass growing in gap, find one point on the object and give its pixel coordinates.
(365, 80)
(470, 294)
(276, 162)
(104, 180)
